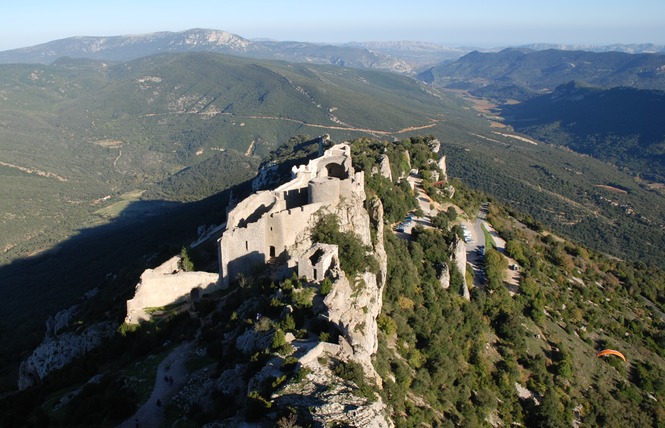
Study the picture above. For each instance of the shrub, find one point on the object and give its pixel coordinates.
(353, 255)
(186, 263)
(326, 287)
(257, 406)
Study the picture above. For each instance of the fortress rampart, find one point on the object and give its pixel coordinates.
(266, 225)
(165, 285)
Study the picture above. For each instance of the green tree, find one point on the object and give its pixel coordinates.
(186, 263)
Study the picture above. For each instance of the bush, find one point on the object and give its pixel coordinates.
(353, 255)
(186, 263)
(326, 287)
(257, 406)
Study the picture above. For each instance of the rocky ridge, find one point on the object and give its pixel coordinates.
(129, 47)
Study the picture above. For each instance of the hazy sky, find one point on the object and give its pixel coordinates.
(482, 23)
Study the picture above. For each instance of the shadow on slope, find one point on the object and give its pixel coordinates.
(109, 258)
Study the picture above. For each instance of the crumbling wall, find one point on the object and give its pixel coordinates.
(314, 263)
(165, 285)
(267, 225)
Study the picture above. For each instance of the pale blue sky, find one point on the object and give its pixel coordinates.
(482, 23)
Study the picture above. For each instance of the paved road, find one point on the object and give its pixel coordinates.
(150, 415)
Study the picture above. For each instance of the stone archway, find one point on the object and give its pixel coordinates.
(336, 170)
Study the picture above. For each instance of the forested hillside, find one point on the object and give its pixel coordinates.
(619, 125)
(541, 71)
(513, 354)
(77, 135)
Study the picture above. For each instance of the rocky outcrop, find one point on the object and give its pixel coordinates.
(252, 341)
(384, 168)
(334, 403)
(443, 168)
(435, 145)
(458, 257)
(61, 320)
(57, 351)
(267, 177)
(407, 158)
(355, 303)
(444, 276)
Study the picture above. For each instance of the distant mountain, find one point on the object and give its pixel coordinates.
(621, 125)
(126, 48)
(542, 71)
(627, 48)
(418, 54)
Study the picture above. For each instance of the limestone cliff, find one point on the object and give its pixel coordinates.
(444, 169)
(384, 168)
(355, 303)
(56, 351)
(458, 256)
(444, 276)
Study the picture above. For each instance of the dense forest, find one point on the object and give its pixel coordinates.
(619, 125)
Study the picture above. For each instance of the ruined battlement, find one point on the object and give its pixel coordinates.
(266, 225)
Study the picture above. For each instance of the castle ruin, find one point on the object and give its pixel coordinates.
(264, 229)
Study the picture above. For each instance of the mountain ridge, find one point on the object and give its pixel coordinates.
(621, 125)
(403, 56)
(542, 71)
(125, 48)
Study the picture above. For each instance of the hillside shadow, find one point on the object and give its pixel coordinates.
(107, 259)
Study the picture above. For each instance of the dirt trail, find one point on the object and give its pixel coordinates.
(433, 123)
(150, 415)
(34, 171)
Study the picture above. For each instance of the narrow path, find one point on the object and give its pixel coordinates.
(33, 171)
(433, 123)
(150, 415)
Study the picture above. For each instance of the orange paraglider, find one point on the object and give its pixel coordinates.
(611, 352)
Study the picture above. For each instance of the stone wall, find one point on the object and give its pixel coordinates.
(269, 225)
(314, 263)
(165, 285)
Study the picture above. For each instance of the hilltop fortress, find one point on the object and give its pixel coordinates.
(267, 227)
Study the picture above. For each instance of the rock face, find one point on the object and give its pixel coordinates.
(444, 276)
(443, 168)
(458, 256)
(384, 168)
(435, 145)
(335, 403)
(57, 351)
(61, 320)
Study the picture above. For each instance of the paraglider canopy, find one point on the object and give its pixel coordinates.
(611, 352)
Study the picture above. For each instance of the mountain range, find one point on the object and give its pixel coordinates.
(125, 48)
(396, 56)
(621, 125)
